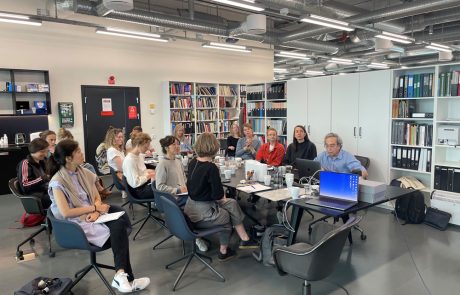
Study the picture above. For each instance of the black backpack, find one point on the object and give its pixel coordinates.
(412, 208)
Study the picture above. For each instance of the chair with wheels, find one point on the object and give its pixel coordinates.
(70, 235)
(147, 203)
(314, 262)
(180, 227)
(366, 162)
(32, 205)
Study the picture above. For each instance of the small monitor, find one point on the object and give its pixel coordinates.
(22, 105)
(307, 167)
(343, 186)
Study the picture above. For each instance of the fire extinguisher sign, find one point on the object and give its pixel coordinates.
(132, 112)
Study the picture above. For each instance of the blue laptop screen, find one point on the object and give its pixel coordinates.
(342, 186)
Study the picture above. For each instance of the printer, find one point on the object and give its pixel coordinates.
(448, 134)
(371, 191)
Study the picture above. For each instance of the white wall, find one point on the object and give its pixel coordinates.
(78, 56)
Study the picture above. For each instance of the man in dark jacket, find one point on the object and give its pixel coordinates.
(31, 172)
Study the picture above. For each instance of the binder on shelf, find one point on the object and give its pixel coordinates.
(401, 87)
(406, 85)
(447, 178)
(410, 86)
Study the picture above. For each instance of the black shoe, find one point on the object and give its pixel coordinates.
(249, 244)
(227, 256)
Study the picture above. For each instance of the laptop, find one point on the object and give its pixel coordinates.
(337, 190)
(306, 168)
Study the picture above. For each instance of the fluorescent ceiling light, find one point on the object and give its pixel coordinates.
(279, 70)
(314, 73)
(131, 34)
(18, 19)
(395, 37)
(439, 47)
(327, 22)
(292, 55)
(377, 65)
(230, 47)
(342, 61)
(241, 5)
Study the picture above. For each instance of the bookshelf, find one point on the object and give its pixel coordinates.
(229, 107)
(181, 102)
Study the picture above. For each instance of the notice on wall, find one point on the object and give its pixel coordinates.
(132, 112)
(107, 107)
(66, 117)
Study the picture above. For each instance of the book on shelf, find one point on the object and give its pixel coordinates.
(206, 115)
(276, 91)
(447, 178)
(228, 102)
(417, 159)
(206, 102)
(280, 125)
(255, 92)
(403, 108)
(258, 125)
(227, 90)
(181, 102)
(181, 88)
(449, 83)
(181, 115)
(207, 90)
(202, 127)
(413, 85)
(410, 133)
(189, 127)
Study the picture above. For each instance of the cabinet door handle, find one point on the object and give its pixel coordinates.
(308, 129)
(360, 133)
(354, 131)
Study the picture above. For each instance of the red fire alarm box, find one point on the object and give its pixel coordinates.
(111, 80)
(132, 112)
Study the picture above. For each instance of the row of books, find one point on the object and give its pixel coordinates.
(181, 88)
(228, 102)
(255, 96)
(206, 115)
(189, 127)
(258, 125)
(255, 105)
(276, 91)
(225, 126)
(181, 116)
(181, 102)
(256, 113)
(227, 90)
(416, 85)
(242, 89)
(418, 159)
(209, 90)
(225, 114)
(447, 178)
(279, 125)
(206, 102)
(276, 112)
(449, 83)
(402, 108)
(276, 105)
(206, 127)
(410, 133)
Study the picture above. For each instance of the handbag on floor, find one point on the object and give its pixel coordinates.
(44, 285)
(437, 218)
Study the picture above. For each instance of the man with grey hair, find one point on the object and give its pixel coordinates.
(336, 159)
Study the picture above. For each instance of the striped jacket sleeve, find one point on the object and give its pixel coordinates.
(28, 180)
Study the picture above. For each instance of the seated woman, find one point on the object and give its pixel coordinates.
(272, 152)
(32, 177)
(129, 145)
(50, 137)
(301, 147)
(207, 205)
(232, 139)
(115, 154)
(170, 175)
(248, 145)
(185, 146)
(75, 198)
(137, 175)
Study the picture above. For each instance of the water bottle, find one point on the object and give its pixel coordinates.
(5, 139)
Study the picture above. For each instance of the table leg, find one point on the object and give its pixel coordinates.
(350, 237)
(296, 217)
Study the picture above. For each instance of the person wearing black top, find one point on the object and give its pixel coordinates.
(31, 172)
(232, 139)
(301, 147)
(207, 205)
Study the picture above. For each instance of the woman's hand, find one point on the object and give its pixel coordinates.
(92, 217)
(223, 200)
(231, 147)
(183, 189)
(102, 208)
(150, 174)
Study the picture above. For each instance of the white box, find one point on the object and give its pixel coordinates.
(371, 191)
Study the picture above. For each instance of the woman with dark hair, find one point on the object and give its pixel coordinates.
(301, 147)
(50, 137)
(75, 198)
(32, 177)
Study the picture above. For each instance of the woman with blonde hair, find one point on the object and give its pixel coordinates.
(207, 205)
(179, 133)
(114, 141)
(232, 139)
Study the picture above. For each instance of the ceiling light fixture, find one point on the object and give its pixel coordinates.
(395, 37)
(439, 47)
(18, 19)
(327, 22)
(377, 65)
(292, 55)
(241, 5)
(314, 73)
(131, 34)
(341, 61)
(224, 46)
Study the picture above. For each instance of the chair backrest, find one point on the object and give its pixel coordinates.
(115, 180)
(31, 204)
(365, 161)
(320, 260)
(175, 219)
(157, 194)
(68, 234)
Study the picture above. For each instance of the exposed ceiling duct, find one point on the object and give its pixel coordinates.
(420, 22)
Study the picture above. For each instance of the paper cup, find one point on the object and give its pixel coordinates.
(228, 174)
(294, 191)
(222, 169)
(267, 179)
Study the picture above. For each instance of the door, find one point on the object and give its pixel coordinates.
(121, 110)
(297, 105)
(319, 110)
(344, 113)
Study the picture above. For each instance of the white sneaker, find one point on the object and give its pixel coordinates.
(120, 282)
(140, 284)
(202, 245)
(124, 195)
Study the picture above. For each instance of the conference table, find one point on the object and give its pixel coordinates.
(299, 206)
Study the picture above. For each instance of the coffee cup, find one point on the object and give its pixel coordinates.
(289, 177)
(222, 161)
(294, 191)
(267, 179)
(184, 161)
(228, 174)
(222, 169)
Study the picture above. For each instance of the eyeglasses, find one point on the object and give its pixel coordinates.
(331, 145)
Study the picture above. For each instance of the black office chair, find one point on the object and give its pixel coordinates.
(314, 262)
(70, 235)
(133, 199)
(180, 227)
(32, 205)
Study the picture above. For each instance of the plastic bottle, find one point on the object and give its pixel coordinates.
(5, 139)
(1, 141)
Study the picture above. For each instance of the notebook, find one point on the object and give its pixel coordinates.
(336, 190)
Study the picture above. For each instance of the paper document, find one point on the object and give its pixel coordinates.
(109, 217)
(279, 194)
(253, 188)
(182, 194)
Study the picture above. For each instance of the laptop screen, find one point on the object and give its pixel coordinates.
(343, 186)
(307, 167)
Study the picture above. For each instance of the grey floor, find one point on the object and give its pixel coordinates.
(383, 264)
